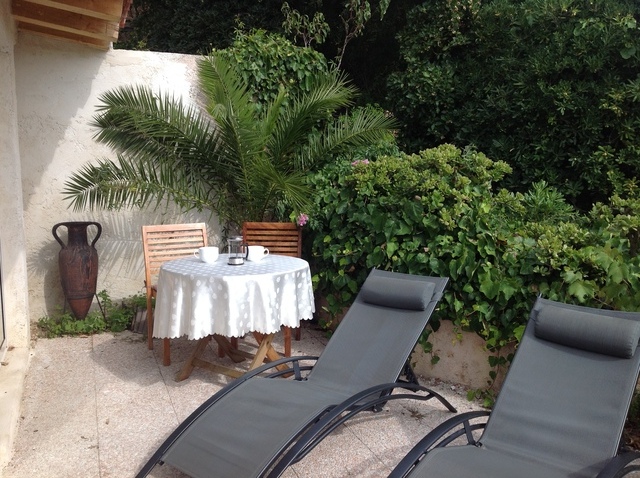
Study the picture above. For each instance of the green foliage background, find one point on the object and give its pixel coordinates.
(197, 26)
(268, 62)
(194, 26)
(549, 86)
(437, 213)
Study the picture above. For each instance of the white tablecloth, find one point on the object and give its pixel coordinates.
(198, 299)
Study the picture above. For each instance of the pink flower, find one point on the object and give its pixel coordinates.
(302, 220)
(360, 161)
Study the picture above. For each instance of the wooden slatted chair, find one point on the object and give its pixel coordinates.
(162, 243)
(283, 238)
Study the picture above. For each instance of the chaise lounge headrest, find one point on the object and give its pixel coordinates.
(397, 293)
(602, 334)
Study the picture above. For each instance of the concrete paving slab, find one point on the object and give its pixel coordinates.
(57, 434)
(131, 396)
(12, 377)
(100, 406)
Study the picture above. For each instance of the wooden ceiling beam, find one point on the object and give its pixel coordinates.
(110, 10)
(92, 22)
(48, 32)
(65, 21)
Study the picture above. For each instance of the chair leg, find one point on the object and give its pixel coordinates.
(166, 352)
(286, 332)
(149, 324)
(298, 334)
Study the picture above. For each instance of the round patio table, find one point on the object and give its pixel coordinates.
(219, 300)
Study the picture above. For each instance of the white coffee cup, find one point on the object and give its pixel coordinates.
(257, 253)
(207, 254)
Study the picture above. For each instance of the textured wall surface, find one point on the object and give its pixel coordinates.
(58, 85)
(463, 358)
(11, 227)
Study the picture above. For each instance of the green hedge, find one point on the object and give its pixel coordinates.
(550, 86)
(436, 213)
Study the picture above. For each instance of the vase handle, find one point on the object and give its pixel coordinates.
(53, 231)
(99, 226)
(62, 244)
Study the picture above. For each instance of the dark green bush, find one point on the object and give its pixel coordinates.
(268, 62)
(436, 213)
(194, 26)
(549, 86)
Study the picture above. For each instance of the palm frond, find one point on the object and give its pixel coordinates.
(235, 115)
(228, 102)
(298, 120)
(361, 127)
(229, 158)
(133, 184)
(137, 120)
(272, 114)
(279, 185)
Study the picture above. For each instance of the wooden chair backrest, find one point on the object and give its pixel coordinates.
(283, 238)
(167, 242)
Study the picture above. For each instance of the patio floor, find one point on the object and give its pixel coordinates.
(99, 406)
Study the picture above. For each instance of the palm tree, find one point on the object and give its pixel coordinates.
(230, 159)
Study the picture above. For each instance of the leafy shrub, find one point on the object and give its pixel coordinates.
(268, 62)
(436, 213)
(550, 86)
(116, 318)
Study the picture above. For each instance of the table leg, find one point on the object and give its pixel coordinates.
(264, 347)
(166, 352)
(228, 349)
(189, 364)
(286, 334)
(264, 352)
(234, 345)
(229, 372)
(272, 354)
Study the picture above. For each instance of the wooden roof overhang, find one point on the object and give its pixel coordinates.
(91, 22)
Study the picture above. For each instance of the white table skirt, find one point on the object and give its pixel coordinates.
(198, 299)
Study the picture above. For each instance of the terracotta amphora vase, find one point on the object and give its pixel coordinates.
(78, 263)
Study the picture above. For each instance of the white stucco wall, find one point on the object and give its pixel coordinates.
(14, 350)
(11, 227)
(58, 85)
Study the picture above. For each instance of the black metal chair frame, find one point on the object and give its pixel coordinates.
(343, 406)
(368, 400)
(462, 425)
(467, 426)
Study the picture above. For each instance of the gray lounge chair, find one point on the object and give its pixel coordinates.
(257, 425)
(561, 410)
